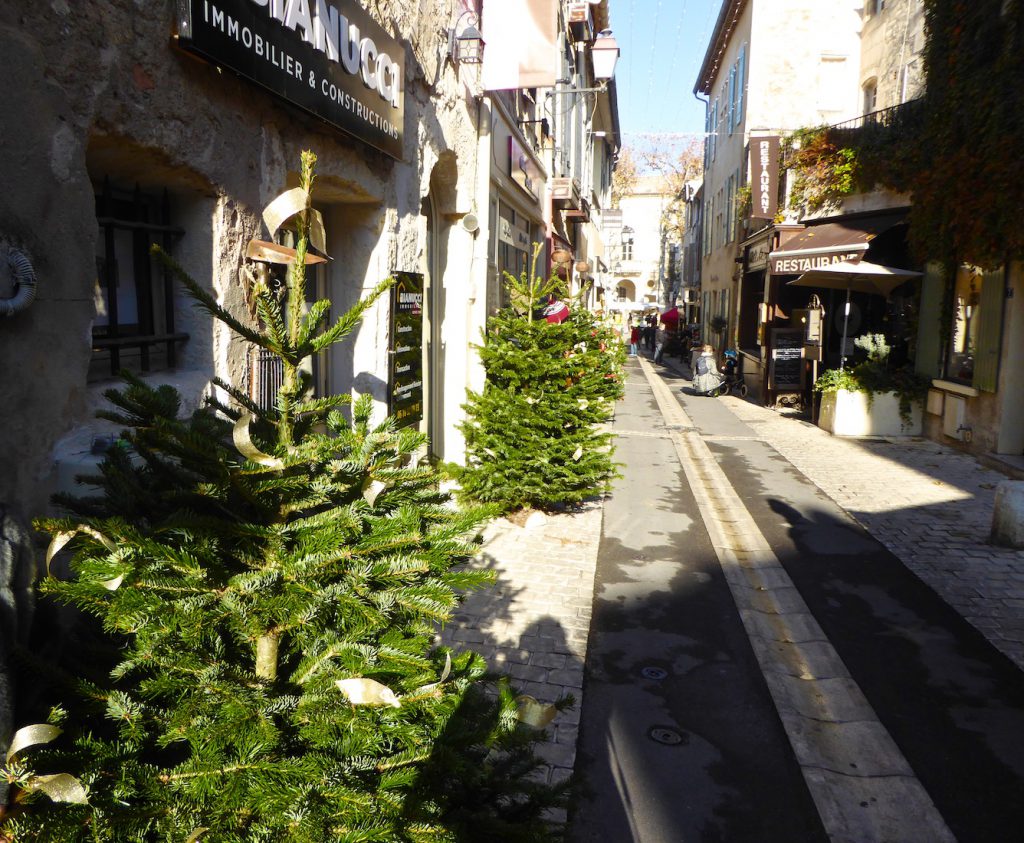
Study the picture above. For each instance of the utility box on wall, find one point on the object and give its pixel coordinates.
(953, 416)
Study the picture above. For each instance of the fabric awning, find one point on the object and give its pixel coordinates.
(831, 242)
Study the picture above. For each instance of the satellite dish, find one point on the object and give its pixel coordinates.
(470, 223)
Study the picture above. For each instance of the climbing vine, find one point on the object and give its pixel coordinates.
(956, 151)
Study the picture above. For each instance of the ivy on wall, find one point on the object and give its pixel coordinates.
(958, 151)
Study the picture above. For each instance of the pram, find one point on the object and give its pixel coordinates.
(733, 378)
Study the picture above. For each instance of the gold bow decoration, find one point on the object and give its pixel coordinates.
(60, 540)
(243, 442)
(60, 787)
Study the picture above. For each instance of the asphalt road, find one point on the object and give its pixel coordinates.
(680, 738)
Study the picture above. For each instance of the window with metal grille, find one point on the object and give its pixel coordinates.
(134, 326)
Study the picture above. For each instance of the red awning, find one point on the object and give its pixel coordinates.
(670, 315)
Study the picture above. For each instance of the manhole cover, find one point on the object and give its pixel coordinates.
(654, 673)
(664, 735)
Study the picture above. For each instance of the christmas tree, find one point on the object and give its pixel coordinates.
(269, 584)
(533, 435)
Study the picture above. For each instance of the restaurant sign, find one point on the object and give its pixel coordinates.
(405, 381)
(328, 57)
(795, 264)
(764, 177)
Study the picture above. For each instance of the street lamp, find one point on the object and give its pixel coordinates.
(604, 54)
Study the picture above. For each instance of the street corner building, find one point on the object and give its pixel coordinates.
(176, 123)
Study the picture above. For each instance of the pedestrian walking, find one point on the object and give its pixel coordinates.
(634, 340)
(660, 338)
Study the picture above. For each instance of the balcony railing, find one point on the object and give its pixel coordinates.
(903, 119)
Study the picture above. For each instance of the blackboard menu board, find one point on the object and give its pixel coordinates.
(405, 379)
(787, 367)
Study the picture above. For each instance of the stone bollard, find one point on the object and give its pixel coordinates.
(1008, 515)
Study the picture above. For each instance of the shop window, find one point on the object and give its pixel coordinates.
(134, 327)
(976, 328)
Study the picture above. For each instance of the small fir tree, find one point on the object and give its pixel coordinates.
(269, 584)
(533, 435)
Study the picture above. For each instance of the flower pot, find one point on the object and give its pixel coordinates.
(845, 413)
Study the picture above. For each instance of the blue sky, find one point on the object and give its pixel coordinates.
(662, 44)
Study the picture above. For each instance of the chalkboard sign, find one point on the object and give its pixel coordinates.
(405, 383)
(786, 373)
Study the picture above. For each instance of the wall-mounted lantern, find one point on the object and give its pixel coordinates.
(466, 46)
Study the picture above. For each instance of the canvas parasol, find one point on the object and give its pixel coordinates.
(670, 316)
(863, 277)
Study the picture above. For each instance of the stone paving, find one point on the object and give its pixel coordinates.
(930, 505)
(533, 623)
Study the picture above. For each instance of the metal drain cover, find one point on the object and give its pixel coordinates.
(655, 673)
(666, 736)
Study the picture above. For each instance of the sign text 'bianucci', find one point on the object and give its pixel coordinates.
(329, 58)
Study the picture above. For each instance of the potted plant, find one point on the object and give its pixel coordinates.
(872, 398)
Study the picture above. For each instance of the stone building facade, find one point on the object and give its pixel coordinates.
(112, 135)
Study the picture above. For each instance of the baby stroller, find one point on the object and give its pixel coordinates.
(706, 379)
(733, 379)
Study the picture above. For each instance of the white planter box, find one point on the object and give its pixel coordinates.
(845, 413)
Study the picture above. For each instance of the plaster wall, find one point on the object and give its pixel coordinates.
(94, 90)
(803, 58)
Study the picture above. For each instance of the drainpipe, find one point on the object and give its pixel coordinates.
(24, 284)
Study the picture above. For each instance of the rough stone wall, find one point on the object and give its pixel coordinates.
(98, 87)
(892, 41)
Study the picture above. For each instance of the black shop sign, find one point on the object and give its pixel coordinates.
(405, 381)
(786, 373)
(329, 58)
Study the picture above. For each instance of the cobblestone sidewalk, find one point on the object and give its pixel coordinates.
(533, 623)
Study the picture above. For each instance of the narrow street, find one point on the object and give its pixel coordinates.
(761, 668)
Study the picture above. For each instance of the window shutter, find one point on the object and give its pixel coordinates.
(929, 323)
(990, 332)
(731, 107)
(741, 83)
(714, 129)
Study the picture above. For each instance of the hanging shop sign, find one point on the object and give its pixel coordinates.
(328, 57)
(522, 168)
(764, 177)
(405, 378)
(757, 255)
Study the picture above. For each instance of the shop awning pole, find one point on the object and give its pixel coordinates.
(846, 319)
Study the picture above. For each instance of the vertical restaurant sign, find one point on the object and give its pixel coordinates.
(405, 379)
(328, 57)
(764, 176)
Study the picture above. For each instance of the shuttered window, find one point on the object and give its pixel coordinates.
(731, 105)
(741, 82)
(990, 331)
(927, 357)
